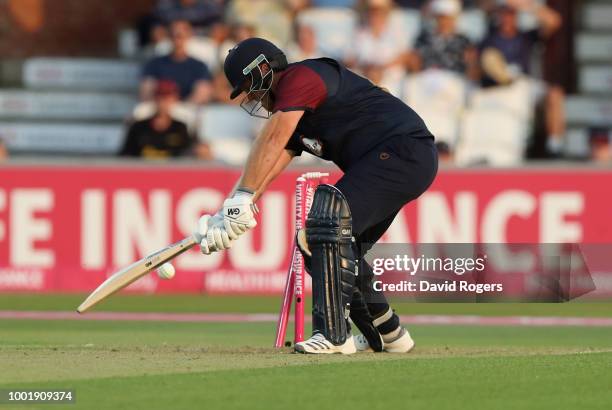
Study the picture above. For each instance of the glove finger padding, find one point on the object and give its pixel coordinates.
(229, 228)
(202, 228)
(219, 238)
(205, 248)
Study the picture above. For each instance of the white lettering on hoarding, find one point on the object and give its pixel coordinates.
(554, 207)
(189, 208)
(437, 223)
(93, 229)
(2, 206)
(499, 211)
(26, 228)
(135, 228)
(18, 279)
(274, 237)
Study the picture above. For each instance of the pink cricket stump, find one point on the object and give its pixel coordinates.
(294, 285)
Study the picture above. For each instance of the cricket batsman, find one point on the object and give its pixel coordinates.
(388, 158)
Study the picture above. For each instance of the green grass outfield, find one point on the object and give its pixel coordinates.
(168, 365)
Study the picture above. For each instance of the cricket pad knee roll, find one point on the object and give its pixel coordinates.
(333, 262)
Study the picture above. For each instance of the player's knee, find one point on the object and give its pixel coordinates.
(329, 220)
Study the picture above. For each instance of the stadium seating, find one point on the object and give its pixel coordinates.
(439, 97)
(64, 105)
(593, 111)
(597, 16)
(516, 99)
(473, 24)
(593, 53)
(228, 130)
(334, 28)
(593, 47)
(62, 138)
(407, 22)
(492, 137)
(595, 79)
(81, 73)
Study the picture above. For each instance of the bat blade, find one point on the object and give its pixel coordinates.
(135, 271)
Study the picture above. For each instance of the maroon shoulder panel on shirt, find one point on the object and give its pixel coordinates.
(300, 88)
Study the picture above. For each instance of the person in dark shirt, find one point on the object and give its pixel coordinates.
(159, 136)
(516, 46)
(507, 52)
(199, 13)
(191, 75)
(388, 157)
(445, 48)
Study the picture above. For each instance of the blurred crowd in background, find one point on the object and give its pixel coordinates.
(185, 41)
(484, 74)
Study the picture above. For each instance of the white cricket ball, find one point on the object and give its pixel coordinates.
(166, 271)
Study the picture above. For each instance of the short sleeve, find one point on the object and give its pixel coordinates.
(300, 88)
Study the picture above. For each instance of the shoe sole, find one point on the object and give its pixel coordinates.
(410, 348)
(300, 349)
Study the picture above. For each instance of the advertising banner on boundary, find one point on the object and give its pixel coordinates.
(66, 228)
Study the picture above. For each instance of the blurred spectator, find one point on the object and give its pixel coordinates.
(379, 50)
(333, 3)
(238, 32)
(418, 4)
(191, 75)
(199, 13)
(270, 18)
(412, 4)
(507, 55)
(3, 151)
(161, 136)
(159, 41)
(445, 154)
(207, 48)
(203, 48)
(601, 147)
(305, 45)
(444, 48)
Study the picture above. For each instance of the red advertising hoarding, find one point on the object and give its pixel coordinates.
(66, 228)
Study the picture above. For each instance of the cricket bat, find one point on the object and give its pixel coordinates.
(135, 271)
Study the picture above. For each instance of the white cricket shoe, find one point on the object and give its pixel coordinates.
(318, 344)
(403, 343)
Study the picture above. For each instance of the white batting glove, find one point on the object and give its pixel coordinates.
(212, 235)
(239, 213)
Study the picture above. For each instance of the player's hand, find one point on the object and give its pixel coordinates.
(211, 234)
(239, 214)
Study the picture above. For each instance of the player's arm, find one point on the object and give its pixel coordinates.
(283, 160)
(268, 148)
(550, 20)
